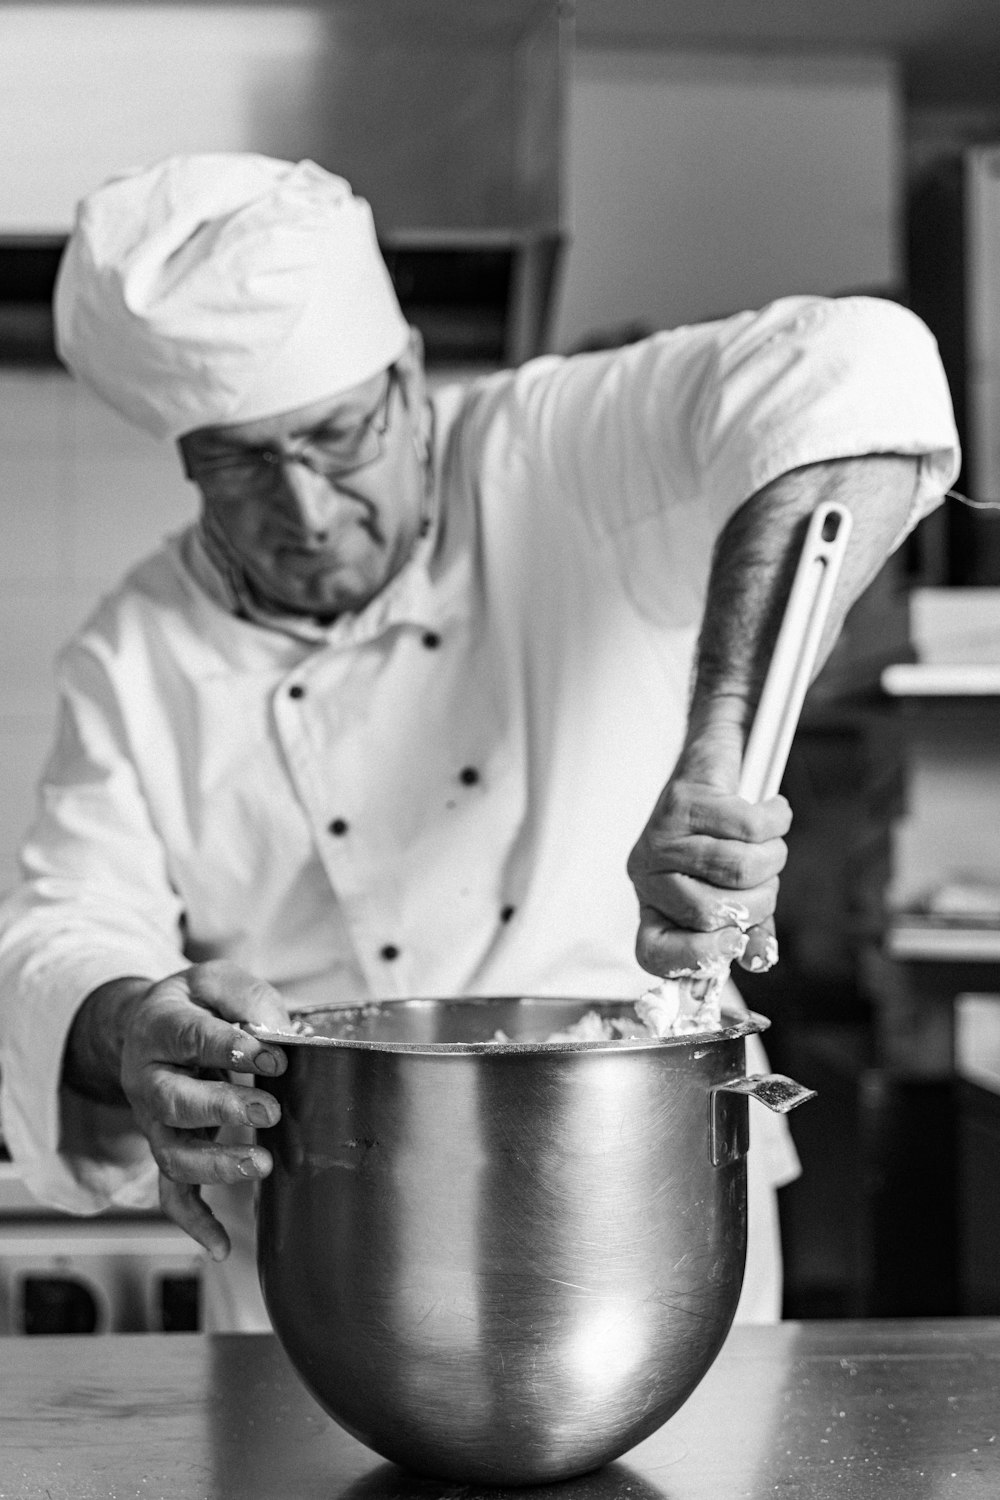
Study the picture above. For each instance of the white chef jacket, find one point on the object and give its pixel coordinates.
(436, 796)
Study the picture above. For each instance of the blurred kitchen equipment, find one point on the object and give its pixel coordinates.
(61, 1275)
(505, 1263)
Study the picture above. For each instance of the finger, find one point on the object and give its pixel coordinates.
(694, 906)
(184, 1204)
(183, 1102)
(175, 1027)
(248, 1054)
(188, 1157)
(243, 998)
(669, 951)
(689, 810)
(236, 995)
(761, 952)
(729, 864)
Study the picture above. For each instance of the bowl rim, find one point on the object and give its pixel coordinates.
(744, 1024)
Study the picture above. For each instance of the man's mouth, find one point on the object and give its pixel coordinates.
(326, 544)
(308, 558)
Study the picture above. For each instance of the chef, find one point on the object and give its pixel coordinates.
(443, 693)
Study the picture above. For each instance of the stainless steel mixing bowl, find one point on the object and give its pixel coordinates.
(505, 1264)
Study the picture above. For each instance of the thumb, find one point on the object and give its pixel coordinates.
(761, 951)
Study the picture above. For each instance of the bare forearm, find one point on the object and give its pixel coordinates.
(92, 1060)
(707, 864)
(754, 563)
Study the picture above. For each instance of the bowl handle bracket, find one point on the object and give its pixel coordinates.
(730, 1123)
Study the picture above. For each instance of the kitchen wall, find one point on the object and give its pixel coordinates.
(82, 497)
(88, 90)
(703, 183)
(445, 113)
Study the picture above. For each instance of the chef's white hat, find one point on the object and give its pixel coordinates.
(222, 288)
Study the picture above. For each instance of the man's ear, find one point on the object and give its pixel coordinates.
(413, 379)
(410, 363)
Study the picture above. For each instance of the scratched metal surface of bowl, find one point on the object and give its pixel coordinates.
(503, 1264)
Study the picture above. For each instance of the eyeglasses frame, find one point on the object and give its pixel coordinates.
(375, 425)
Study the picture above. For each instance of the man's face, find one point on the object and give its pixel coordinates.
(320, 505)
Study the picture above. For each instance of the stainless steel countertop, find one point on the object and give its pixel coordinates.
(895, 1410)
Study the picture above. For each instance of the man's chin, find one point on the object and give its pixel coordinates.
(307, 587)
(324, 599)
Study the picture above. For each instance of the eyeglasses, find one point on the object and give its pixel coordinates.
(330, 454)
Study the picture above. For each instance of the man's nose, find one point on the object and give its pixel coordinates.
(308, 495)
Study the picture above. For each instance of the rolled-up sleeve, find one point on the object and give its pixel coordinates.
(95, 904)
(810, 380)
(656, 445)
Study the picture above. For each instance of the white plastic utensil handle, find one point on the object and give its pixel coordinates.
(795, 651)
(788, 676)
